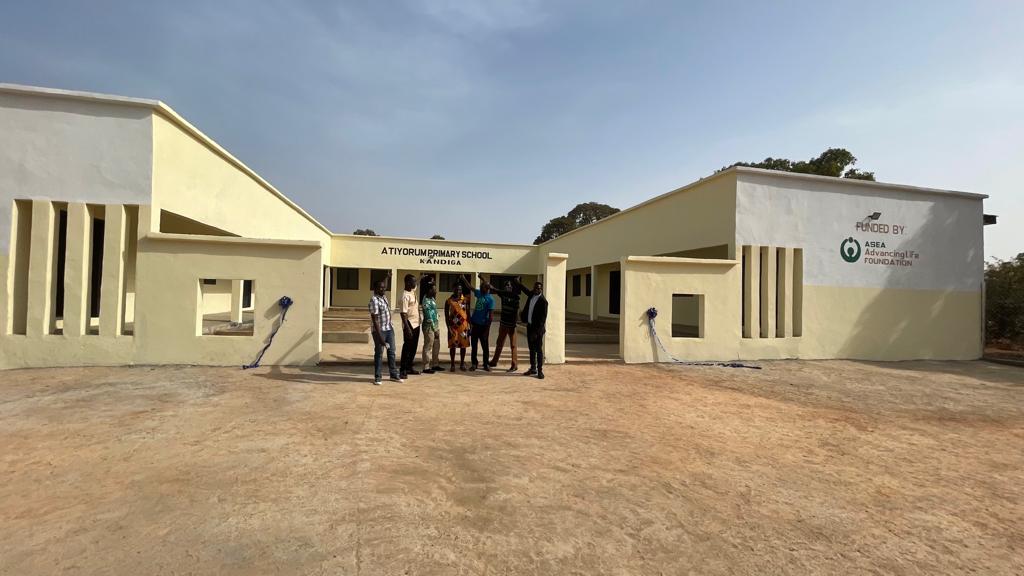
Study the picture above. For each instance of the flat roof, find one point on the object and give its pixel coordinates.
(863, 184)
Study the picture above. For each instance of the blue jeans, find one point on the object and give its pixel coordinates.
(388, 337)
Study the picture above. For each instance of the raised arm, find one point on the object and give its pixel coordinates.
(469, 285)
(523, 289)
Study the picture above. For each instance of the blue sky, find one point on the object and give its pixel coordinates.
(413, 117)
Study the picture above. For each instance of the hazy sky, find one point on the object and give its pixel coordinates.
(482, 120)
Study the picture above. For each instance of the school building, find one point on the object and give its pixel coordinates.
(127, 236)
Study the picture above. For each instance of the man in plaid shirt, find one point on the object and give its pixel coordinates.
(383, 332)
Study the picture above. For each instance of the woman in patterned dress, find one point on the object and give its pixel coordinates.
(456, 314)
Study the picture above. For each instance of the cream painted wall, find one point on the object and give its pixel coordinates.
(170, 267)
(216, 298)
(358, 297)
(196, 181)
(578, 304)
(853, 323)
(72, 150)
(168, 308)
(648, 282)
(696, 216)
(554, 291)
(350, 251)
(602, 292)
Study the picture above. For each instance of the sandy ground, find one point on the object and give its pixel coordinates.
(800, 468)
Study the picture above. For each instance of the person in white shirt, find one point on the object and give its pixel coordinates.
(410, 327)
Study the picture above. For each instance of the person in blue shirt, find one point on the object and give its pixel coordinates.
(480, 321)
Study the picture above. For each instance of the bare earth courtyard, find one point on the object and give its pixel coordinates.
(800, 468)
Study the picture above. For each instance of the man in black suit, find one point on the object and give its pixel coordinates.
(535, 316)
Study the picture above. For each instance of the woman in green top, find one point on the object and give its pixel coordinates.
(431, 333)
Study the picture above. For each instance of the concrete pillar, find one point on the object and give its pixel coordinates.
(328, 271)
(554, 291)
(396, 285)
(593, 292)
(16, 284)
(199, 309)
(40, 270)
(149, 220)
(76, 270)
(112, 286)
(236, 301)
(752, 291)
(767, 291)
(798, 292)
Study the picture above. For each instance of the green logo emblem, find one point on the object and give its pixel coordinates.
(850, 250)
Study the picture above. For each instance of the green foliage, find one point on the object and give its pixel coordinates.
(1004, 300)
(365, 232)
(437, 237)
(835, 162)
(581, 215)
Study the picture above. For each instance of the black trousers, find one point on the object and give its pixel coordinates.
(480, 335)
(535, 341)
(409, 347)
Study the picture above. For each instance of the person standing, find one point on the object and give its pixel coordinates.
(507, 323)
(383, 333)
(456, 315)
(410, 327)
(483, 314)
(431, 332)
(535, 314)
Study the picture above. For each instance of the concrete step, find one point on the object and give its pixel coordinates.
(346, 337)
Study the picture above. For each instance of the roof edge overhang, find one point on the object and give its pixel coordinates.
(167, 112)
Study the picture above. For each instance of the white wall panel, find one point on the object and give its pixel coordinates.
(931, 241)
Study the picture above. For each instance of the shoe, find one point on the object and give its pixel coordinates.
(439, 369)
(530, 372)
(540, 375)
(513, 368)
(461, 367)
(487, 368)
(376, 382)
(412, 373)
(398, 378)
(452, 368)
(472, 368)
(428, 371)
(401, 376)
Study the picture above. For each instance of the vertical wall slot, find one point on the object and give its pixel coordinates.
(60, 242)
(95, 268)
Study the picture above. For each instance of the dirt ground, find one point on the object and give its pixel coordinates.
(799, 468)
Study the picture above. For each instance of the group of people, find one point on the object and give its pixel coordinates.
(468, 314)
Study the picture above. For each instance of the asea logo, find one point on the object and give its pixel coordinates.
(849, 249)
